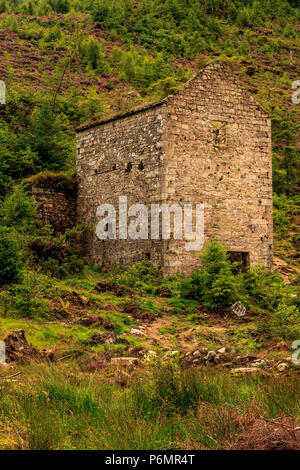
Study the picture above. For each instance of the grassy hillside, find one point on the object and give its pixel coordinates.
(67, 62)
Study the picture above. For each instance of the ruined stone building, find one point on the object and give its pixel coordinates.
(209, 143)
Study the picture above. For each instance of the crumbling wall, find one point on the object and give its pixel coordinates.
(56, 201)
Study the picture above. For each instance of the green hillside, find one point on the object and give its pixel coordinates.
(67, 62)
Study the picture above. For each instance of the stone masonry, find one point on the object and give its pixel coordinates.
(208, 143)
(55, 200)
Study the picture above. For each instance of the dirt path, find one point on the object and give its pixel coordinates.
(168, 332)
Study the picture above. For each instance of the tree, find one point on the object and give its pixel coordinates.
(50, 140)
(10, 258)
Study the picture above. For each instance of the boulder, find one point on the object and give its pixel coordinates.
(210, 356)
(136, 332)
(221, 351)
(197, 353)
(283, 367)
(238, 309)
(150, 355)
(244, 370)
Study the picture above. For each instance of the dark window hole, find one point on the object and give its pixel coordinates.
(129, 167)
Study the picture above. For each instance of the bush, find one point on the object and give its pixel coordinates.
(10, 258)
(26, 299)
(222, 291)
(266, 287)
(50, 136)
(136, 274)
(92, 54)
(214, 285)
(173, 389)
(18, 211)
(16, 158)
(61, 255)
(285, 321)
(193, 287)
(25, 304)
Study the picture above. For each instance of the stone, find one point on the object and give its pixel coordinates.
(136, 332)
(172, 354)
(217, 358)
(203, 350)
(238, 309)
(244, 370)
(283, 367)
(150, 355)
(105, 338)
(125, 361)
(56, 201)
(210, 355)
(197, 353)
(222, 351)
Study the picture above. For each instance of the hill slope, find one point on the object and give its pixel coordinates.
(65, 62)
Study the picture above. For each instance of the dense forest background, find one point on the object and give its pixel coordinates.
(65, 62)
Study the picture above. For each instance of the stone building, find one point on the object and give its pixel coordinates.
(209, 143)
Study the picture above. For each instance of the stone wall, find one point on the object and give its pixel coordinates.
(217, 145)
(209, 143)
(56, 201)
(121, 157)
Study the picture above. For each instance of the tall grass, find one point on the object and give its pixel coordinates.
(59, 407)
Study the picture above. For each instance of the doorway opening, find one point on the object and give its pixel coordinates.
(242, 258)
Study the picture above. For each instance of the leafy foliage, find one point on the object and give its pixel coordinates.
(18, 211)
(10, 258)
(58, 255)
(266, 287)
(285, 321)
(214, 285)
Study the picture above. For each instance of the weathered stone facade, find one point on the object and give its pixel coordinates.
(209, 143)
(55, 200)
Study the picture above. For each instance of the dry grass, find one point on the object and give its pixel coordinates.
(62, 407)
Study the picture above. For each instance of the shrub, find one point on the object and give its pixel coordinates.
(266, 287)
(10, 258)
(214, 285)
(16, 158)
(136, 274)
(222, 291)
(50, 138)
(93, 56)
(193, 287)
(285, 321)
(24, 302)
(173, 389)
(27, 298)
(18, 211)
(61, 255)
